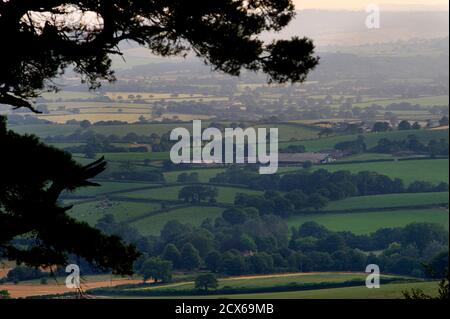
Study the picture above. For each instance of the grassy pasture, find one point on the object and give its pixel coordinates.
(365, 223)
(263, 281)
(91, 212)
(388, 291)
(389, 200)
(97, 117)
(44, 130)
(434, 171)
(441, 100)
(297, 132)
(108, 187)
(371, 139)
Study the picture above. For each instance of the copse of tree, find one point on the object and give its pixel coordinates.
(198, 193)
(29, 193)
(326, 132)
(206, 282)
(172, 254)
(22, 273)
(263, 244)
(352, 147)
(300, 186)
(381, 127)
(85, 124)
(412, 144)
(234, 216)
(307, 165)
(157, 269)
(213, 261)
(190, 258)
(108, 225)
(444, 121)
(404, 126)
(4, 294)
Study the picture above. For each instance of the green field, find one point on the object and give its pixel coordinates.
(371, 139)
(434, 171)
(441, 100)
(108, 187)
(139, 129)
(368, 157)
(365, 223)
(297, 132)
(389, 200)
(194, 215)
(91, 212)
(388, 291)
(264, 281)
(135, 157)
(44, 130)
(226, 194)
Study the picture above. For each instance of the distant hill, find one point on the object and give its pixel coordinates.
(341, 31)
(348, 27)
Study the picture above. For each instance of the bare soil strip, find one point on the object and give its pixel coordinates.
(28, 290)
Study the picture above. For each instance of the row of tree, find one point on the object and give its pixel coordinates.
(332, 185)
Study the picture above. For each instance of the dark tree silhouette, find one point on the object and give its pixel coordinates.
(32, 178)
(224, 33)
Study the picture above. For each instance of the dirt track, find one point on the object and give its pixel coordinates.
(27, 290)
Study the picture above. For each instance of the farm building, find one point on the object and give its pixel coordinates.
(295, 158)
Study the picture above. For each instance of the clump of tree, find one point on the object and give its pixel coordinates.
(412, 144)
(206, 282)
(241, 241)
(313, 189)
(198, 193)
(22, 273)
(352, 147)
(158, 269)
(4, 294)
(381, 127)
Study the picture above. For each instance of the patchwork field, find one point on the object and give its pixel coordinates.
(263, 281)
(91, 212)
(371, 139)
(365, 223)
(434, 171)
(388, 291)
(388, 201)
(442, 100)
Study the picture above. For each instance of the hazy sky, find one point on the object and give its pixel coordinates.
(361, 4)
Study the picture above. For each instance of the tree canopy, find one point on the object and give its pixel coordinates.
(45, 37)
